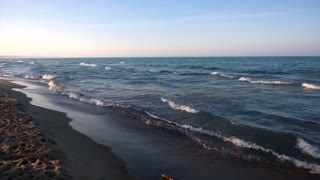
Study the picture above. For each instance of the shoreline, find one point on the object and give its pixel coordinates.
(148, 151)
(83, 158)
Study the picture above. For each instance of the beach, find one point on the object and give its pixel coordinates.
(148, 151)
(38, 143)
(189, 118)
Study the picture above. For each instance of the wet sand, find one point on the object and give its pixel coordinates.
(44, 146)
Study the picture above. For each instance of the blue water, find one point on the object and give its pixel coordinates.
(260, 108)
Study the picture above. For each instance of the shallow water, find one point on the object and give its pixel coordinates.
(263, 109)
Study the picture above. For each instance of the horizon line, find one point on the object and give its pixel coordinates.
(9, 56)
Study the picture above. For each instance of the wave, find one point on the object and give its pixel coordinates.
(31, 77)
(310, 86)
(222, 75)
(7, 75)
(176, 106)
(107, 68)
(48, 77)
(308, 148)
(314, 168)
(87, 64)
(53, 86)
(262, 82)
(92, 100)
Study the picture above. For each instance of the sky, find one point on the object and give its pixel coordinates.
(139, 28)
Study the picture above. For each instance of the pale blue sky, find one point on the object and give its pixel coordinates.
(159, 27)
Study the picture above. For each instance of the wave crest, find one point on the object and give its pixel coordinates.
(176, 106)
(222, 75)
(31, 77)
(310, 86)
(7, 75)
(308, 148)
(314, 168)
(48, 77)
(262, 82)
(87, 64)
(53, 86)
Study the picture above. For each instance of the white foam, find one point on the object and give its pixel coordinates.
(53, 86)
(107, 68)
(262, 82)
(222, 75)
(226, 75)
(31, 77)
(122, 62)
(20, 61)
(310, 86)
(87, 64)
(176, 106)
(48, 77)
(7, 75)
(74, 95)
(314, 168)
(308, 148)
(94, 101)
(215, 73)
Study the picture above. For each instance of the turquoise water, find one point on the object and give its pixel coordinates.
(260, 108)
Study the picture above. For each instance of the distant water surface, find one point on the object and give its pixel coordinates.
(261, 108)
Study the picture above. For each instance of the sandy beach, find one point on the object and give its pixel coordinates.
(38, 143)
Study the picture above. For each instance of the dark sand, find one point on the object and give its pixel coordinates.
(44, 146)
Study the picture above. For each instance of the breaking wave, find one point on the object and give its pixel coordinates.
(53, 86)
(31, 77)
(222, 75)
(314, 168)
(48, 77)
(310, 86)
(107, 68)
(7, 75)
(262, 82)
(308, 148)
(176, 106)
(87, 64)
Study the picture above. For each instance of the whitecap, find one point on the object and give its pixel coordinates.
(48, 77)
(7, 75)
(308, 148)
(176, 106)
(262, 82)
(31, 77)
(53, 86)
(314, 168)
(222, 75)
(87, 64)
(74, 95)
(310, 86)
(107, 68)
